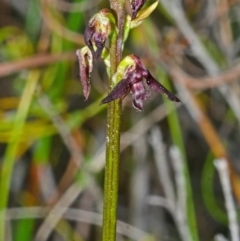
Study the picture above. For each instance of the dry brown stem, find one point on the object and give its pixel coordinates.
(34, 62)
(206, 82)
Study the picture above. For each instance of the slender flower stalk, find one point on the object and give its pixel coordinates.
(113, 133)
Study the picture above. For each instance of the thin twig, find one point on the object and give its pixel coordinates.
(139, 184)
(181, 188)
(228, 76)
(162, 166)
(78, 215)
(133, 134)
(176, 203)
(62, 128)
(57, 212)
(222, 167)
(219, 237)
(160, 201)
(9, 233)
(35, 61)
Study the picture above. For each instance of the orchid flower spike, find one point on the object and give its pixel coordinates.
(130, 77)
(100, 26)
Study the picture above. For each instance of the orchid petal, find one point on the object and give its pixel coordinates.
(119, 91)
(156, 86)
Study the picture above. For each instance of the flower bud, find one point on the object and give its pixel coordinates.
(136, 5)
(132, 73)
(85, 68)
(98, 29)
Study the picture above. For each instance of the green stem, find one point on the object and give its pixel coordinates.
(113, 133)
(111, 172)
(12, 148)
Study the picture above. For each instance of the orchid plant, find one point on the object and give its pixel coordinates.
(126, 75)
(130, 72)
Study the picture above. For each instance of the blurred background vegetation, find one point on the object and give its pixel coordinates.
(53, 142)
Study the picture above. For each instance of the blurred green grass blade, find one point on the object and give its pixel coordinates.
(48, 78)
(175, 128)
(66, 231)
(9, 157)
(41, 128)
(77, 118)
(165, 13)
(33, 20)
(75, 22)
(177, 138)
(6, 32)
(42, 150)
(10, 40)
(207, 186)
(24, 230)
(214, 51)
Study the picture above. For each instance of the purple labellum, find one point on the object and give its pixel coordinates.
(139, 95)
(136, 5)
(123, 87)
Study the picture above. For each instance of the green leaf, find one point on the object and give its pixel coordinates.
(207, 186)
(24, 230)
(42, 150)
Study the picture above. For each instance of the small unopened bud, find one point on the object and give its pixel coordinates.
(85, 68)
(98, 29)
(136, 5)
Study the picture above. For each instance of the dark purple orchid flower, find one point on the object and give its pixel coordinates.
(97, 31)
(136, 5)
(133, 81)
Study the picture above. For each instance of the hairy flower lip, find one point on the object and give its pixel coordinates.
(133, 81)
(139, 95)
